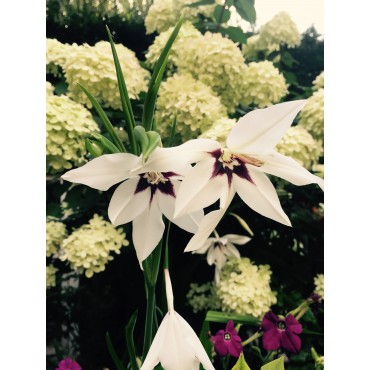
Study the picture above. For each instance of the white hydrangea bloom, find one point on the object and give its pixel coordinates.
(67, 124)
(56, 232)
(89, 247)
(299, 144)
(202, 297)
(318, 82)
(195, 104)
(219, 130)
(319, 285)
(49, 89)
(263, 84)
(51, 276)
(312, 115)
(93, 67)
(244, 288)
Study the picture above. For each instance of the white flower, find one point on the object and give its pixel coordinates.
(176, 346)
(141, 198)
(220, 249)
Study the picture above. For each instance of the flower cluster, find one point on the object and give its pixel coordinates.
(51, 276)
(89, 247)
(319, 285)
(312, 115)
(67, 124)
(49, 89)
(301, 146)
(93, 67)
(203, 297)
(263, 84)
(219, 130)
(244, 288)
(164, 14)
(195, 105)
(55, 233)
(318, 82)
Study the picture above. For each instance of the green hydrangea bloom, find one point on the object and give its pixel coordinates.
(312, 115)
(219, 130)
(318, 82)
(319, 284)
(93, 67)
(300, 145)
(195, 104)
(203, 297)
(67, 124)
(51, 276)
(89, 247)
(56, 232)
(244, 288)
(263, 84)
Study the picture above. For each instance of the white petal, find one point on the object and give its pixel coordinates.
(199, 190)
(288, 169)
(169, 291)
(211, 255)
(261, 196)
(190, 222)
(231, 250)
(260, 130)
(103, 172)
(125, 205)
(147, 230)
(237, 239)
(205, 247)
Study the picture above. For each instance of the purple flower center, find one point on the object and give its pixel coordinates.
(281, 325)
(156, 181)
(227, 336)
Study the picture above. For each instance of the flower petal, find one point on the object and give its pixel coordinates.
(125, 205)
(237, 239)
(103, 172)
(261, 196)
(147, 230)
(260, 130)
(293, 324)
(271, 339)
(208, 243)
(288, 169)
(269, 321)
(220, 345)
(199, 190)
(231, 250)
(290, 341)
(235, 348)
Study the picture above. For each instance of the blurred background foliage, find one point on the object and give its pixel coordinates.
(80, 310)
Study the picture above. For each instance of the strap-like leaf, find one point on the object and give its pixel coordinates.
(108, 125)
(224, 317)
(106, 144)
(125, 100)
(113, 353)
(155, 81)
(200, 3)
(129, 332)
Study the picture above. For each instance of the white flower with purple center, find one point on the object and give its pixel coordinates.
(141, 197)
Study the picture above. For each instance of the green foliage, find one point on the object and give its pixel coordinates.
(129, 332)
(246, 10)
(221, 14)
(277, 364)
(241, 364)
(113, 353)
(224, 317)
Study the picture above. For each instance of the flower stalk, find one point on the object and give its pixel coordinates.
(252, 338)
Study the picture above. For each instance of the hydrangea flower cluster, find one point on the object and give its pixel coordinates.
(56, 232)
(51, 276)
(312, 115)
(93, 67)
(263, 84)
(164, 14)
(203, 297)
(219, 130)
(195, 105)
(244, 288)
(319, 285)
(67, 124)
(89, 247)
(318, 82)
(49, 89)
(301, 146)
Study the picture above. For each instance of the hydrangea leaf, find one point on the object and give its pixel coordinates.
(236, 34)
(221, 14)
(200, 3)
(246, 10)
(241, 364)
(277, 364)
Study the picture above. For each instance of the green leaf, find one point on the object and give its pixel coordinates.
(201, 2)
(205, 340)
(277, 364)
(173, 130)
(241, 364)
(242, 223)
(107, 124)
(125, 100)
(223, 317)
(129, 332)
(154, 141)
(94, 148)
(113, 353)
(106, 144)
(221, 14)
(236, 34)
(156, 79)
(246, 10)
(141, 137)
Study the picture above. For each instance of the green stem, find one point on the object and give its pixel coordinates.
(150, 307)
(302, 306)
(302, 312)
(220, 17)
(166, 263)
(268, 357)
(252, 338)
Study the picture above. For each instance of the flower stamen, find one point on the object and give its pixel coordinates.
(155, 178)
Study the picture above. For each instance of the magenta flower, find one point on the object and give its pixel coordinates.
(68, 364)
(228, 341)
(281, 332)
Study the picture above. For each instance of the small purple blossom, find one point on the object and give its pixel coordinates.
(68, 364)
(281, 332)
(228, 341)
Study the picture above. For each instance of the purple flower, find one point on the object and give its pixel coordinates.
(68, 364)
(281, 332)
(228, 341)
